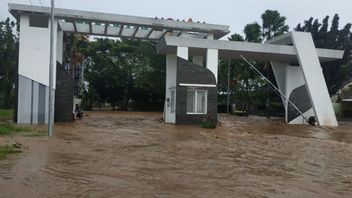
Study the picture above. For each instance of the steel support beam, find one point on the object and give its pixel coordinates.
(121, 29)
(74, 26)
(135, 32)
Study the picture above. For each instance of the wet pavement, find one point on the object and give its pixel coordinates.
(125, 154)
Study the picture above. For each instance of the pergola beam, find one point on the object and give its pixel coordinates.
(149, 33)
(163, 33)
(90, 28)
(135, 32)
(106, 28)
(121, 29)
(74, 26)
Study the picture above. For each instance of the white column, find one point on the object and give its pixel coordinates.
(198, 60)
(182, 52)
(171, 71)
(212, 61)
(59, 46)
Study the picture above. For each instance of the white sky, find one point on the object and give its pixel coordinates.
(226, 12)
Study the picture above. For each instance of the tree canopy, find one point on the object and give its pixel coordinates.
(337, 73)
(121, 71)
(8, 62)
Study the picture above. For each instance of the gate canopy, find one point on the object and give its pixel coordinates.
(115, 25)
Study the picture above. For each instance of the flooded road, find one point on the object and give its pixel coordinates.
(125, 154)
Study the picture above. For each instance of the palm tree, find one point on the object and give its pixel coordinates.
(253, 32)
(273, 24)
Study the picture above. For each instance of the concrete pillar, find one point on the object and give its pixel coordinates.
(171, 71)
(198, 60)
(212, 61)
(59, 46)
(313, 75)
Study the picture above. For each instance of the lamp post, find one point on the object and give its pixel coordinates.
(51, 72)
(228, 87)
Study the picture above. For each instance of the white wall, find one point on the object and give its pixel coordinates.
(34, 52)
(182, 52)
(212, 61)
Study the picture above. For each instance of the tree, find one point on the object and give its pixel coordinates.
(245, 84)
(273, 24)
(337, 73)
(253, 32)
(125, 71)
(8, 62)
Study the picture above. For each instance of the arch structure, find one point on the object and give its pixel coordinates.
(192, 52)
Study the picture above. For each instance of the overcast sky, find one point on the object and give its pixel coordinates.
(226, 12)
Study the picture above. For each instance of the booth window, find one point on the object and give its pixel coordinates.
(196, 101)
(38, 21)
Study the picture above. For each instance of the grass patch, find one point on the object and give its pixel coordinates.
(7, 150)
(208, 124)
(6, 114)
(9, 129)
(36, 134)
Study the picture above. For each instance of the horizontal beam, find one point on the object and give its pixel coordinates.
(233, 49)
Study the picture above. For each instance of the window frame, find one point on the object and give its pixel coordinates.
(196, 102)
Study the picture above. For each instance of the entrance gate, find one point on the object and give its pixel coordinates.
(294, 58)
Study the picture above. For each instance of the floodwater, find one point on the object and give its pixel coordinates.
(124, 154)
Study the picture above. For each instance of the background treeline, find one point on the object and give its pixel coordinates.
(128, 74)
(8, 62)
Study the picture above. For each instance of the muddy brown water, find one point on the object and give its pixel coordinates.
(124, 154)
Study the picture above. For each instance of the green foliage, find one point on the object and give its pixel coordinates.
(208, 125)
(9, 129)
(253, 32)
(6, 114)
(121, 71)
(236, 37)
(273, 24)
(337, 73)
(8, 62)
(7, 150)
